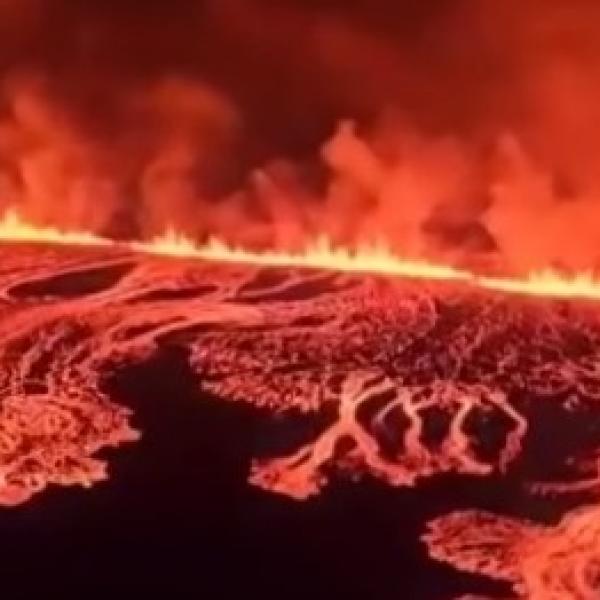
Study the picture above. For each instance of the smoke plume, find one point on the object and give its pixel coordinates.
(460, 130)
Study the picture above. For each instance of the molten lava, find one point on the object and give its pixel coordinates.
(561, 562)
(320, 254)
(15, 229)
(374, 258)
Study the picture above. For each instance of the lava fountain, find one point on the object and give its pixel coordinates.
(374, 258)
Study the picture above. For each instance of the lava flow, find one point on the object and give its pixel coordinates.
(541, 562)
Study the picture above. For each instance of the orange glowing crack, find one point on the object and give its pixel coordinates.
(321, 253)
(366, 258)
(13, 228)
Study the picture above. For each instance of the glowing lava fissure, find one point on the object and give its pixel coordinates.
(374, 258)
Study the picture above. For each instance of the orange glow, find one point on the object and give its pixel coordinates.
(367, 258)
(547, 282)
(321, 253)
(13, 228)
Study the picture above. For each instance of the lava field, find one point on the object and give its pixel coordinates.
(400, 381)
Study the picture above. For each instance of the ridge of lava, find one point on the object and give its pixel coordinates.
(368, 258)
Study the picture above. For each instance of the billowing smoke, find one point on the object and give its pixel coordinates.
(460, 130)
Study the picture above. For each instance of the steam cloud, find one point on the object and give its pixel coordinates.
(453, 129)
